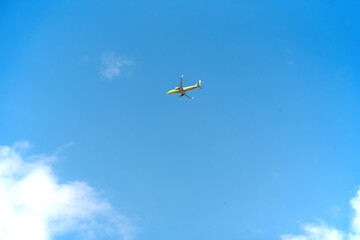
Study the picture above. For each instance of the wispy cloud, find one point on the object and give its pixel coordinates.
(321, 231)
(112, 64)
(35, 205)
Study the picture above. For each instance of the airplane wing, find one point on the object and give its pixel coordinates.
(180, 85)
(188, 96)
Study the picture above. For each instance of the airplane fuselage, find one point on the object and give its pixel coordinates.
(185, 89)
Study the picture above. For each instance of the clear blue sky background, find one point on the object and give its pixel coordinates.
(271, 141)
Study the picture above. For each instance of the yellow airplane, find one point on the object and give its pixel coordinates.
(182, 90)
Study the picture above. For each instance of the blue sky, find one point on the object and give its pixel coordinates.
(271, 142)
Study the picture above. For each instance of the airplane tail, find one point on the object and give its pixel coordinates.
(198, 84)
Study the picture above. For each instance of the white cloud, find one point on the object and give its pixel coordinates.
(321, 231)
(34, 205)
(112, 64)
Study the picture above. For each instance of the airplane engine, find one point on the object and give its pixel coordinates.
(180, 95)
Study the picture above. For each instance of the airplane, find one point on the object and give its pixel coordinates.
(182, 90)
